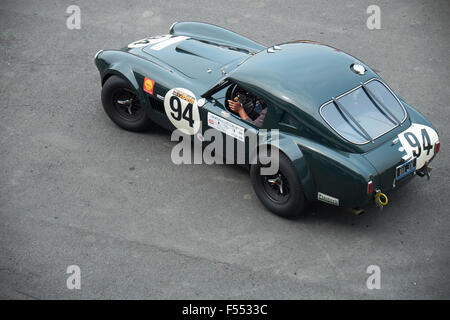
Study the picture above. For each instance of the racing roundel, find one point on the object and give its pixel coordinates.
(418, 141)
(149, 84)
(181, 108)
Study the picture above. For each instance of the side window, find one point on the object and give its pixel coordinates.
(277, 113)
(289, 120)
(288, 123)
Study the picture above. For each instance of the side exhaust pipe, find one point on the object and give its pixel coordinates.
(356, 211)
(425, 171)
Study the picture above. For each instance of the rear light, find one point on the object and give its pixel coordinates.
(370, 187)
(437, 147)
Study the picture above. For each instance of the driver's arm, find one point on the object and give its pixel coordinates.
(236, 106)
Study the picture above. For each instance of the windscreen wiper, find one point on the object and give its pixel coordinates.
(347, 114)
(380, 106)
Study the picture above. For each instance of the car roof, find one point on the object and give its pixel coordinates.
(302, 74)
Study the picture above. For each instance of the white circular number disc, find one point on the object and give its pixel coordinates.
(418, 131)
(181, 108)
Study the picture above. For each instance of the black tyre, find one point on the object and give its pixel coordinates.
(281, 193)
(122, 105)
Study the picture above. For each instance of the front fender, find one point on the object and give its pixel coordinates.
(113, 62)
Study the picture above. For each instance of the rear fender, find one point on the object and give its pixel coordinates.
(293, 152)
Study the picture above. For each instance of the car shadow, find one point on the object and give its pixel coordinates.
(318, 212)
(373, 219)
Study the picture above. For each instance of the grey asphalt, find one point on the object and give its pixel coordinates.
(77, 190)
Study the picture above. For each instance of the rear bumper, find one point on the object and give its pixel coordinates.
(387, 190)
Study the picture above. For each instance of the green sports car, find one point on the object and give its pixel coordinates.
(343, 136)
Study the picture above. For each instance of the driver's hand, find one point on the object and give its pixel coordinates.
(235, 106)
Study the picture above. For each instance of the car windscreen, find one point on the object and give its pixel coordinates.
(364, 113)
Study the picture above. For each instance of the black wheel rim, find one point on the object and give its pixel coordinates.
(127, 105)
(276, 187)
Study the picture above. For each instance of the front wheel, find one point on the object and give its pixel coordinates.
(281, 193)
(122, 105)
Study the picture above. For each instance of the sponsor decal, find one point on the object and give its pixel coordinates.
(149, 84)
(183, 95)
(328, 199)
(225, 126)
(225, 114)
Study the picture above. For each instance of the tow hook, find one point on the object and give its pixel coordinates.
(381, 200)
(425, 171)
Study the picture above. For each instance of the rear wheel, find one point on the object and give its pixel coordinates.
(281, 193)
(122, 105)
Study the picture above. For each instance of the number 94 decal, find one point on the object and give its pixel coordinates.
(181, 108)
(418, 141)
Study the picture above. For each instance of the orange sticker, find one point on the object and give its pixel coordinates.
(148, 85)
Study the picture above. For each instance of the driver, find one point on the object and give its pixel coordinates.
(250, 109)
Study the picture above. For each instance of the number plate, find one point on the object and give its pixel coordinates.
(406, 168)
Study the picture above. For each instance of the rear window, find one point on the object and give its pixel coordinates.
(365, 113)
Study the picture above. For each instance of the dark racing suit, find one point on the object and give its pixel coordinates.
(254, 108)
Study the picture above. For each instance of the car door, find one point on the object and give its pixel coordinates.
(238, 135)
